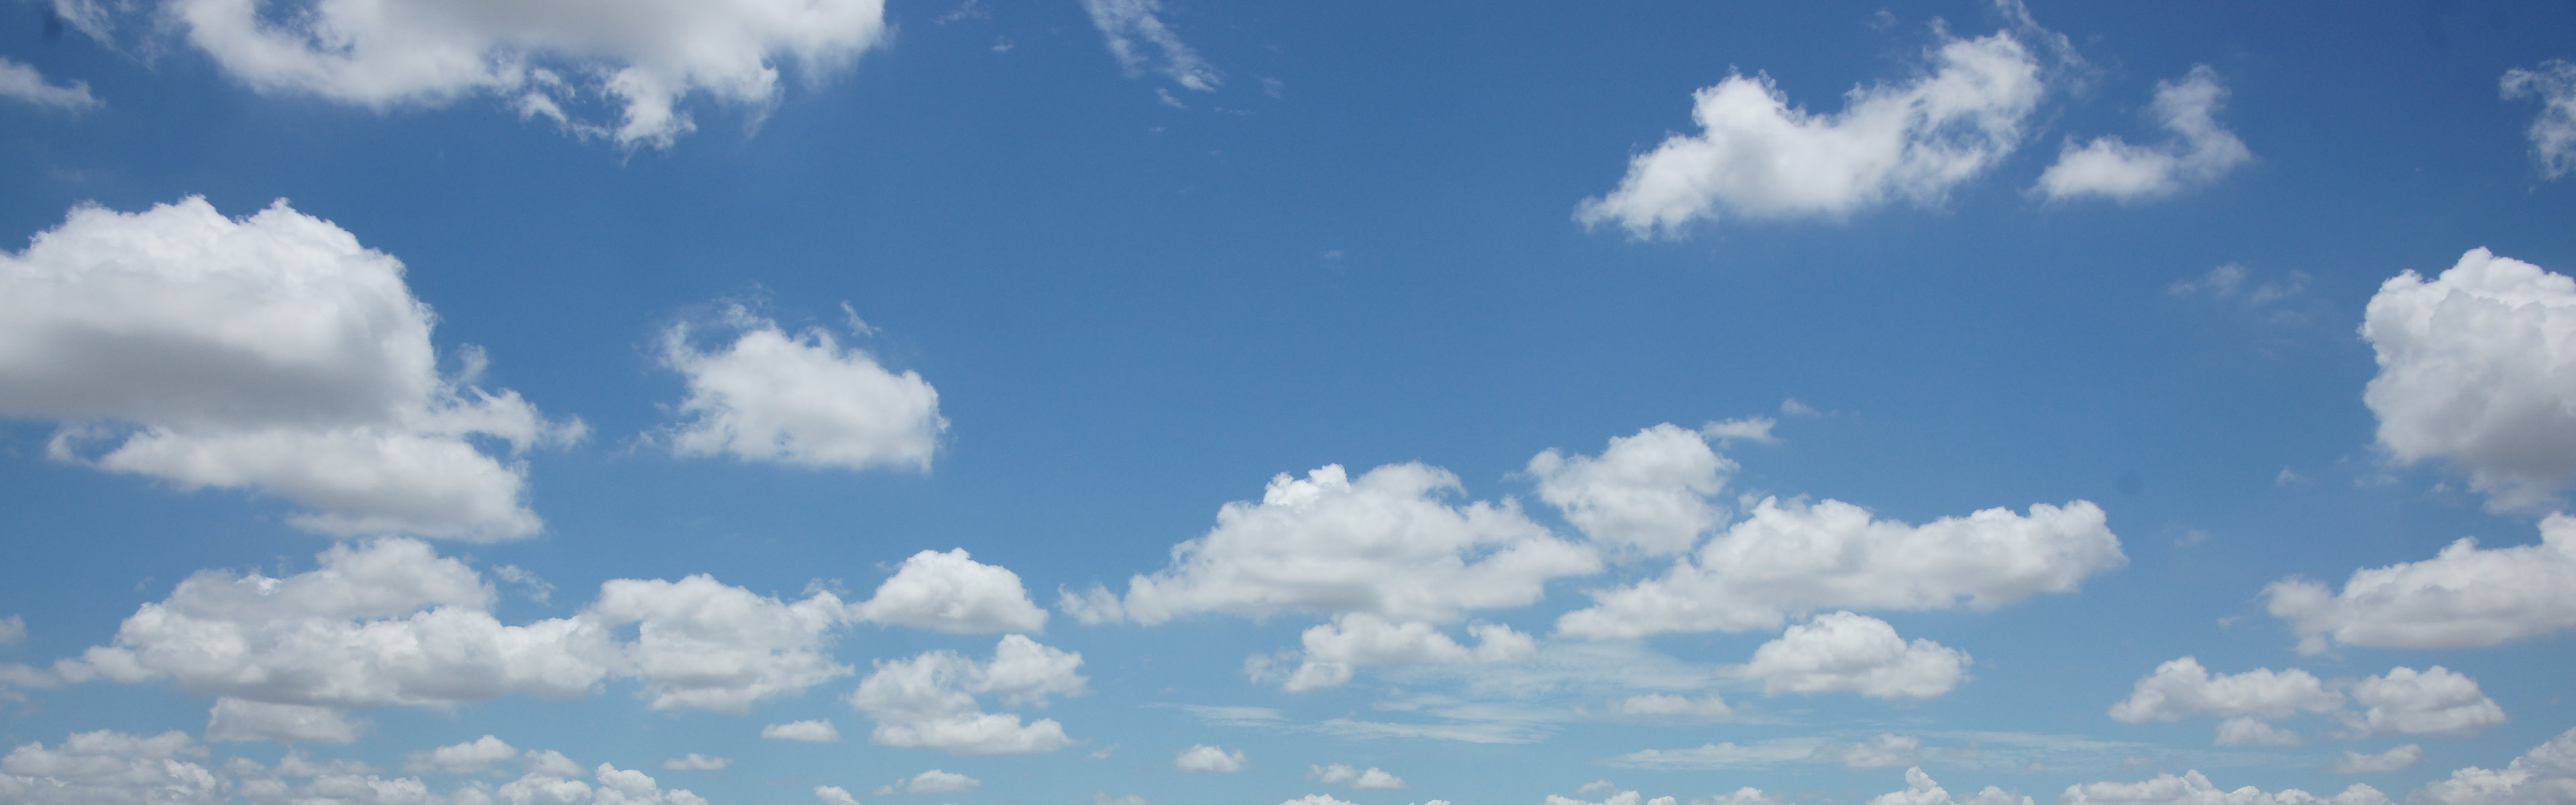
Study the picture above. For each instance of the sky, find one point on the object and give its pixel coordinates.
(1149, 402)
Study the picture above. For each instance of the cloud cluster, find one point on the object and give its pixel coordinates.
(801, 400)
(1921, 789)
(2553, 133)
(2193, 787)
(2462, 597)
(2477, 368)
(540, 55)
(2544, 775)
(114, 767)
(928, 700)
(1841, 651)
(1758, 157)
(2404, 701)
(269, 353)
(2199, 152)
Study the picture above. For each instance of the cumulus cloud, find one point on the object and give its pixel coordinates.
(1792, 558)
(801, 400)
(241, 720)
(703, 644)
(1616, 796)
(2181, 687)
(696, 762)
(1205, 758)
(471, 757)
(1842, 651)
(2543, 776)
(269, 353)
(540, 57)
(2199, 152)
(111, 767)
(1353, 641)
(834, 795)
(1143, 43)
(2553, 133)
(951, 592)
(2464, 596)
(2396, 758)
(1649, 492)
(929, 700)
(2435, 701)
(814, 731)
(22, 83)
(2476, 369)
(1666, 705)
(1369, 779)
(2404, 701)
(933, 781)
(2251, 731)
(1758, 157)
(1920, 789)
(2192, 787)
(1885, 750)
(1384, 544)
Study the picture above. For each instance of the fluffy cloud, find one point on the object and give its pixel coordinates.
(815, 731)
(470, 757)
(1352, 641)
(1131, 27)
(951, 592)
(2464, 596)
(1758, 157)
(1205, 758)
(1885, 750)
(272, 353)
(929, 699)
(1920, 789)
(1648, 492)
(933, 781)
(1369, 779)
(2477, 368)
(540, 56)
(2553, 133)
(2546, 775)
(2437, 701)
(110, 767)
(1385, 544)
(2182, 687)
(240, 720)
(801, 400)
(2398, 757)
(2194, 789)
(706, 645)
(2199, 152)
(1841, 651)
(22, 83)
(1792, 557)
(834, 795)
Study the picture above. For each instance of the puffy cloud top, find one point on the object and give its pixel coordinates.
(2199, 152)
(2464, 596)
(2477, 367)
(801, 400)
(952, 592)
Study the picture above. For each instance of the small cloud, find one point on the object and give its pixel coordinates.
(2394, 759)
(2287, 477)
(1205, 758)
(1792, 407)
(816, 731)
(834, 795)
(696, 762)
(1751, 429)
(933, 781)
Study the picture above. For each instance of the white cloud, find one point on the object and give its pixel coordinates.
(2476, 368)
(2251, 731)
(929, 699)
(13, 630)
(1616, 796)
(1747, 795)
(951, 592)
(1723, 755)
(2553, 133)
(2181, 687)
(1920, 789)
(1205, 758)
(1758, 157)
(707, 645)
(1666, 705)
(470, 757)
(2464, 596)
(834, 795)
(111, 767)
(696, 762)
(1885, 750)
(1648, 492)
(933, 781)
(814, 731)
(1369, 779)
(1315, 799)
(1385, 544)
(2546, 775)
(2199, 152)
(2194, 789)
(241, 720)
(2436, 701)
(1841, 651)
(2396, 758)
(1130, 26)
(1794, 557)
(23, 83)
(270, 353)
(801, 400)
(1353, 641)
(540, 56)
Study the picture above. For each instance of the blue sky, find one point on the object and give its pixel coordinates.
(1138, 402)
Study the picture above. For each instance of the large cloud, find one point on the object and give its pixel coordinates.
(1758, 157)
(111, 767)
(2464, 596)
(928, 700)
(1354, 640)
(2199, 152)
(1648, 492)
(2546, 775)
(1792, 557)
(2477, 367)
(951, 592)
(2404, 701)
(703, 644)
(2553, 132)
(1385, 544)
(540, 54)
(801, 400)
(272, 353)
(2435, 701)
(1841, 651)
